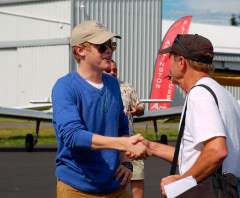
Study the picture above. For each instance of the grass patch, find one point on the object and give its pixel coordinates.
(172, 120)
(16, 136)
(12, 120)
(151, 135)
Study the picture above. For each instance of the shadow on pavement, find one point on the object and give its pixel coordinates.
(22, 149)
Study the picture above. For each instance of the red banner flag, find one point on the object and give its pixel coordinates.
(162, 87)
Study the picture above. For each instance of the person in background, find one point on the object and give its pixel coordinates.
(132, 107)
(90, 123)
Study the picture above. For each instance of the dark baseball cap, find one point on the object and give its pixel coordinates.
(193, 47)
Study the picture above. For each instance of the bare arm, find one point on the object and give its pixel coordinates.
(103, 142)
(163, 151)
(211, 157)
(131, 144)
(137, 111)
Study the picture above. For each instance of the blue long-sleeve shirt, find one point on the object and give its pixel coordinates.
(79, 110)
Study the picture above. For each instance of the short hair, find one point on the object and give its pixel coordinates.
(76, 57)
(204, 67)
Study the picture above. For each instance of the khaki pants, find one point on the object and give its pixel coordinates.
(66, 191)
(138, 170)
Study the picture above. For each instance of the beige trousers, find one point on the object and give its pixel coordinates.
(66, 191)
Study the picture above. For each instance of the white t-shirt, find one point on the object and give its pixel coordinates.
(96, 85)
(204, 120)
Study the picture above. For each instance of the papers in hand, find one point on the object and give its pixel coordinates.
(178, 187)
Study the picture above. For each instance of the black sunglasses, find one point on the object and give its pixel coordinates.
(103, 47)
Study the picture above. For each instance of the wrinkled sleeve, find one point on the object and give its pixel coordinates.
(69, 126)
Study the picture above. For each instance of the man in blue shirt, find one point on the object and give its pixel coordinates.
(90, 123)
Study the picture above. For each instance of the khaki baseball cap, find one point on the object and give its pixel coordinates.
(92, 32)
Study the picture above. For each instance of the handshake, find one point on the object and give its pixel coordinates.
(136, 147)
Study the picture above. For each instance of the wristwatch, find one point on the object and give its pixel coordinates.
(128, 165)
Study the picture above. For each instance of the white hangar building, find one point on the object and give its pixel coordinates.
(34, 44)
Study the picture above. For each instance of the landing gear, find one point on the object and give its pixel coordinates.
(155, 129)
(30, 141)
(163, 138)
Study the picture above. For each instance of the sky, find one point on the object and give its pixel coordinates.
(203, 11)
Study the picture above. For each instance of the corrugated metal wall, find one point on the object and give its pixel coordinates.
(139, 24)
(32, 70)
(8, 77)
(29, 21)
(29, 73)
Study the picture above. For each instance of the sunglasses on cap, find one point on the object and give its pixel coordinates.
(104, 46)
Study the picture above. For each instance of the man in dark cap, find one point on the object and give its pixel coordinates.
(211, 136)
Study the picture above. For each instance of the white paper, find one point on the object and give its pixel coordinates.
(178, 187)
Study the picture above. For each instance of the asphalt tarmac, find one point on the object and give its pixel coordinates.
(31, 175)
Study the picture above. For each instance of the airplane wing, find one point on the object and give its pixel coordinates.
(154, 100)
(38, 107)
(159, 114)
(27, 114)
(39, 116)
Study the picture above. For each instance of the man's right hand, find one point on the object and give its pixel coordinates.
(135, 149)
(133, 146)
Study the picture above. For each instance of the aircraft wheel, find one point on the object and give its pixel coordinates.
(164, 139)
(29, 142)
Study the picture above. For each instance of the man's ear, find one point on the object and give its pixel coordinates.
(182, 63)
(78, 51)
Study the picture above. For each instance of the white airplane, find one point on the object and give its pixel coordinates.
(154, 100)
(38, 116)
(27, 112)
(41, 105)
